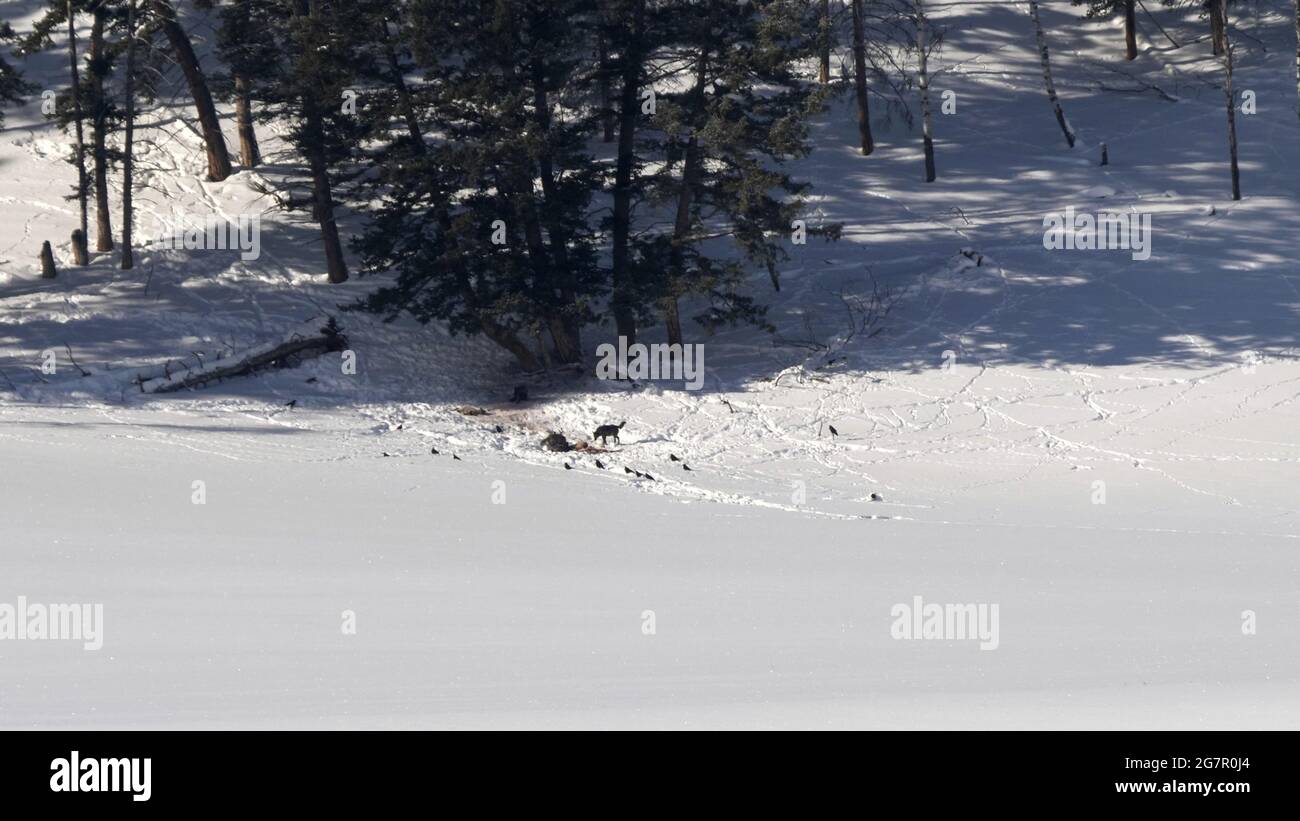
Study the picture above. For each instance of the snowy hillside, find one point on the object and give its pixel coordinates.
(1104, 447)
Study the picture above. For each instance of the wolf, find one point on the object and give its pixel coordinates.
(605, 431)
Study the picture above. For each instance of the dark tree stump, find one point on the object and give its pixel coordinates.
(47, 261)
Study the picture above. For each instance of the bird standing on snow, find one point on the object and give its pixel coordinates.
(457, 458)
(833, 431)
(568, 466)
(292, 403)
(685, 466)
(876, 497)
(599, 465)
(673, 457)
(434, 451)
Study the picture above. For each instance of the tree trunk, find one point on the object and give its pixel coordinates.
(566, 329)
(47, 261)
(80, 252)
(685, 202)
(681, 229)
(83, 182)
(605, 82)
(403, 92)
(860, 80)
(923, 45)
(629, 108)
(493, 330)
(250, 155)
(1130, 30)
(1047, 74)
(1218, 34)
(98, 132)
(218, 158)
(335, 265)
(322, 193)
(824, 44)
(1232, 106)
(128, 143)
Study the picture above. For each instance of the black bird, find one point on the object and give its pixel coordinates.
(639, 474)
(498, 429)
(651, 478)
(599, 465)
(876, 497)
(292, 403)
(401, 425)
(434, 451)
(673, 457)
(628, 470)
(568, 466)
(685, 466)
(833, 431)
(457, 458)
(311, 381)
(386, 453)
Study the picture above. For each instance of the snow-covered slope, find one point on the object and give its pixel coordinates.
(1104, 447)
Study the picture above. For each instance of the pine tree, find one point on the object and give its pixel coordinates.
(860, 79)
(102, 116)
(128, 141)
(488, 227)
(12, 84)
(742, 114)
(298, 59)
(825, 41)
(214, 142)
(69, 110)
(634, 47)
(241, 40)
(1107, 8)
(1217, 12)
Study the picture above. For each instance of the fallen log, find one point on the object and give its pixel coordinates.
(287, 354)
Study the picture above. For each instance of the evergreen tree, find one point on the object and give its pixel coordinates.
(742, 113)
(488, 228)
(128, 139)
(167, 21)
(1108, 8)
(12, 85)
(241, 41)
(298, 58)
(69, 105)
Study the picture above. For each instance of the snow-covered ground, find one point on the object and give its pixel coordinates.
(1103, 447)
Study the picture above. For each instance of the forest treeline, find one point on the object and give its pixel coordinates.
(524, 169)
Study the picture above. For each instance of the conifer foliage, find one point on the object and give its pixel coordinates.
(506, 221)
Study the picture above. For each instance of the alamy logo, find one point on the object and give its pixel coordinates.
(1102, 232)
(53, 622)
(946, 622)
(75, 774)
(652, 362)
(212, 234)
